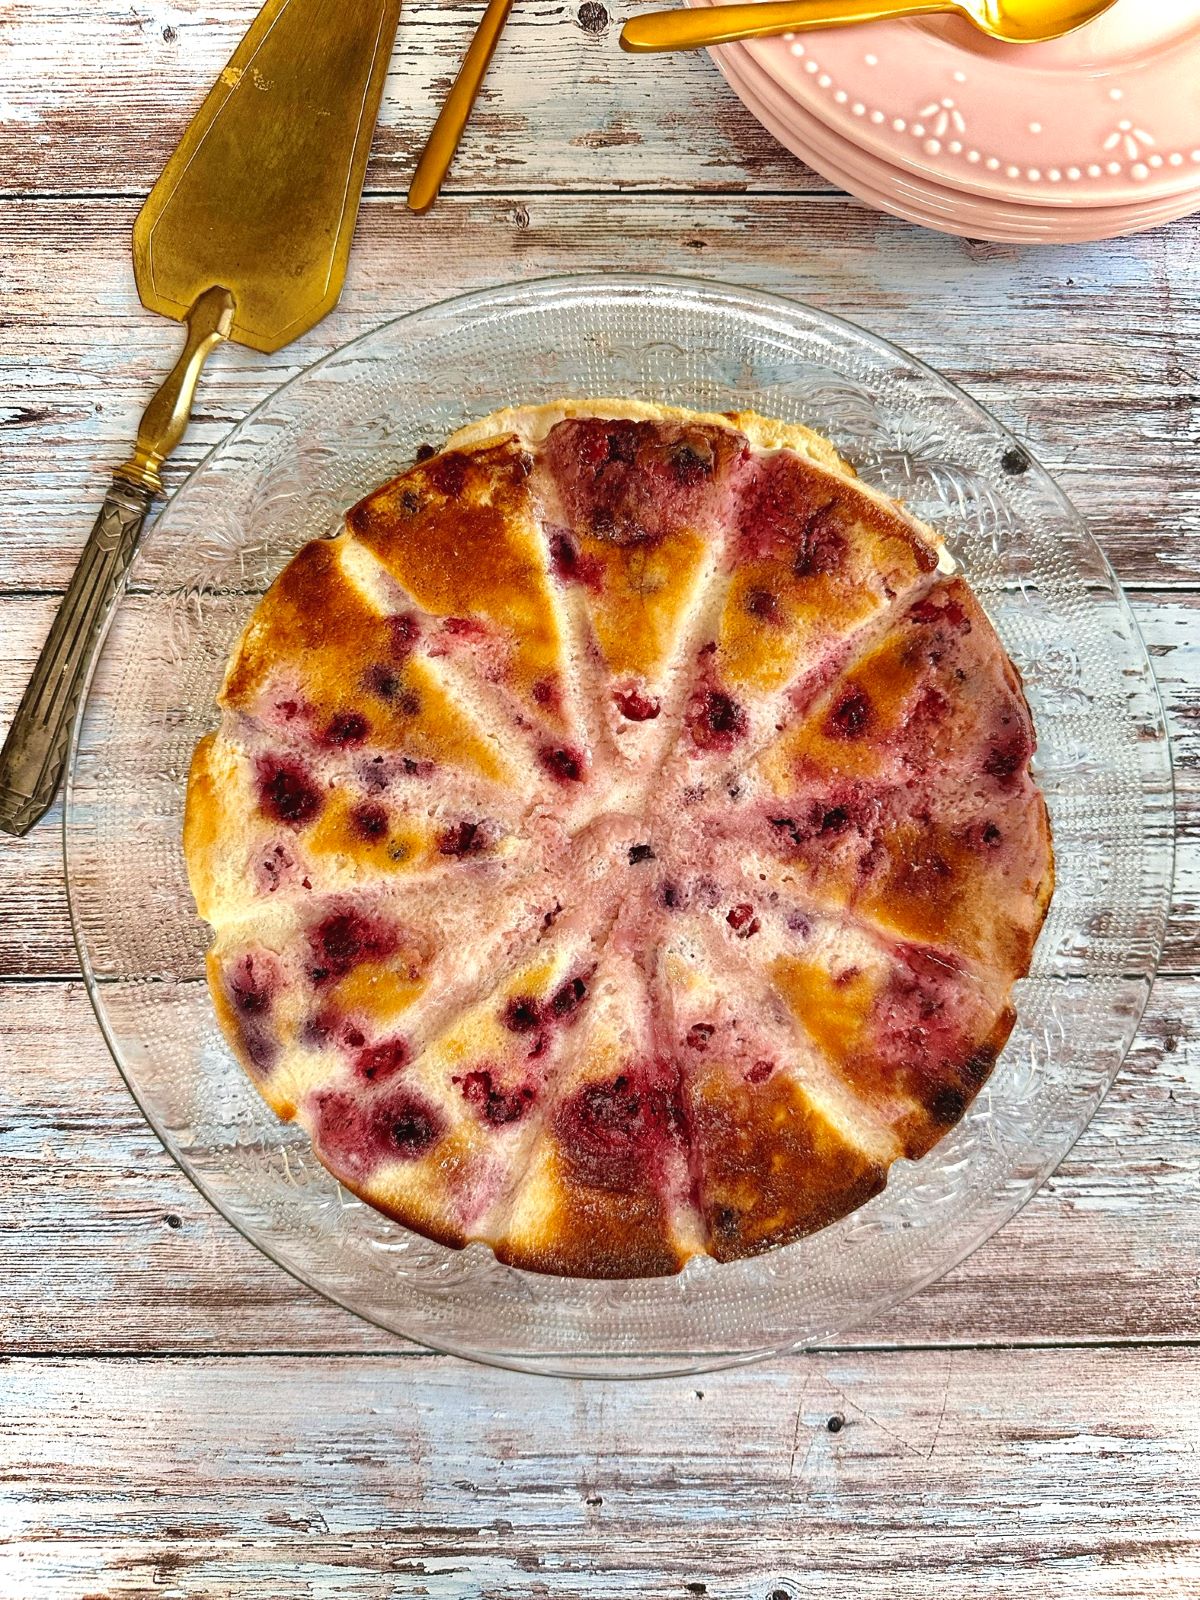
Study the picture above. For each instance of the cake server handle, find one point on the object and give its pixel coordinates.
(35, 751)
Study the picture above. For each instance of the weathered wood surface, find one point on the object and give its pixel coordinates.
(117, 1252)
(179, 1418)
(563, 109)
(956, 1472)
(1091, 354)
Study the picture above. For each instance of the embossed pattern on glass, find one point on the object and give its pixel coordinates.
(286, 474)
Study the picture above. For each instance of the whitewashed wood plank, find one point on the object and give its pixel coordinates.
(35, 937)
(96, 93)
(1092, 353)
(988, 1473)
(115, 1251)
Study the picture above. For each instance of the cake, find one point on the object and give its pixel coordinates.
(620, 840)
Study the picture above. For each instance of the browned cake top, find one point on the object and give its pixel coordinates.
(620, 841)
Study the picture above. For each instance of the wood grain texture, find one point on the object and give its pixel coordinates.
(182, 1419)
(35, 935)
(368, 1479)
(562, 109)
(1091, 354)
(117, 1252)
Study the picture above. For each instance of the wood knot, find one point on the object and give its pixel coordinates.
(592, 17)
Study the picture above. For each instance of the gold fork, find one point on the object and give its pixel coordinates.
(452, 119)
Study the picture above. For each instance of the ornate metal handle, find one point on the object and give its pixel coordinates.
(35, 752)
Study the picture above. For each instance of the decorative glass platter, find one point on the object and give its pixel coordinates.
(356, 418)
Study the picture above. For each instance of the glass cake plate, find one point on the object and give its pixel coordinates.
(356, 418)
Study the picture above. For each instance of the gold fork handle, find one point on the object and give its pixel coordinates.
(692, 30)
(452, 119)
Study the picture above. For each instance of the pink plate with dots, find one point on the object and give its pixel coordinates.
(918, 199)
(1108, 117)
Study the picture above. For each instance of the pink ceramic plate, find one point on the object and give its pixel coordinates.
(1107, 117)
(916, 199)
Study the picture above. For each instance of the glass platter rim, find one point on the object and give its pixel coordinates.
(624, 1364)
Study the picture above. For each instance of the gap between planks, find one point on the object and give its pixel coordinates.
(410, 1351)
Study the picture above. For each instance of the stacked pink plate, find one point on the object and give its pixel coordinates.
(1089, 137)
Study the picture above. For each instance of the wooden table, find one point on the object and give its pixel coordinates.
(178, 1417)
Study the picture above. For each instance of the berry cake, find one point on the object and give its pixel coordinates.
(620, 840)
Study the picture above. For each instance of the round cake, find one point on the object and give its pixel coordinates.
(620, 840)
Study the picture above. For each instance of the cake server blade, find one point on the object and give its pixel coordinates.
(245, 236)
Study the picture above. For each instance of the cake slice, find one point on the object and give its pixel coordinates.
(905, 793)
(933, 700)
(458, 535)
(303, 987)
(607, 1189)
(778, 1148)
(334, 665)
(813, 560)
(636, 508)
(440, 1141)
(268, 820)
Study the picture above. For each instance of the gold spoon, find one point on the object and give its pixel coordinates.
(1011, 21)
(452, 119)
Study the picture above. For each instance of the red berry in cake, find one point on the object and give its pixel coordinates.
(287, 792)
(692, 461)
(382, 1060)
(369, 821)
(850, 717)
(356, 1138)
(463, 839)
(522, 1014)
(716, 721)
(761, 603)
(253, 981)
(497, 1106)
(563, 763)
(743, 921)
(345, 938)
(568, 997)
(406, 1126)
(345, 728)
(635, 706)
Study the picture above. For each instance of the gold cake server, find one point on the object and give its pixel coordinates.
(245, 237)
